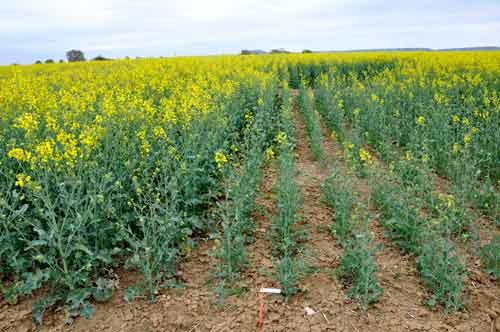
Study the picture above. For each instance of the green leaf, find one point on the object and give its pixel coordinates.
(83, 248)
(87, 310)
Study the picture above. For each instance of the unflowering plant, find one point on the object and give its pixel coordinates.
(235, 212)
(452, 218)
(359, 270)
(490, 256)
(339, 195)
(437, 260)
(404, 226)
(313, 127)
(487, 200)
(329, 107)
(154, 252)
(414, 175)
(237, 227)
(287, 272)
(284, 233)
(286, 126)
(443, 273)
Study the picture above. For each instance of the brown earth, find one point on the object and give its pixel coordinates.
(194, 308)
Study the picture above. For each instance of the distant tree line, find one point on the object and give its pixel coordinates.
(74, 56)
(273, 51)
(78, 55)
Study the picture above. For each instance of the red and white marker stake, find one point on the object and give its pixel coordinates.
(263, 291)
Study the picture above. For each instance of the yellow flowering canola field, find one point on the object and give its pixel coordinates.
(126, 160)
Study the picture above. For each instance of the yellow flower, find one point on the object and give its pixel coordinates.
(269, 153)
(465, 121)
(45, 151)
(446, 201)
(281, 138)
(220, 159)
(365, 156)
(456, 148)
(26, 122)
(467, 139)
(159, 132)
(440, 99)
(19, 154)
(145, 145)
(22, 180)
(425, 158)
(90, 136)
(450, 201)
(420, 120)
(69, 143)
(455, 119)
(409, 155)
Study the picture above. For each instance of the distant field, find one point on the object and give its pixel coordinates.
(363, 185)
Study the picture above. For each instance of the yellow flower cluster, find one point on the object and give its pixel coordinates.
(365, 156)
(22, 180)
(270, 153)
(420, 120)
(220, 159)
(281, 138)
(59, 115)
(25, 181)
(20, 154)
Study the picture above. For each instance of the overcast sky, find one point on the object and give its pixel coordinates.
(41, 29)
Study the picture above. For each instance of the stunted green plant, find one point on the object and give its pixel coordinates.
(338, 194)
(230, 251)
(237, 227)
(404, 227)
(490, 256)
(288, 272)
(442, 273)
(452, 217)
(311, 119)
(487, 200)
(154, 249)
(359, 270)
(413, 175)
(286, 126)
(285, 236)
(437, 260)
(330, 107)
